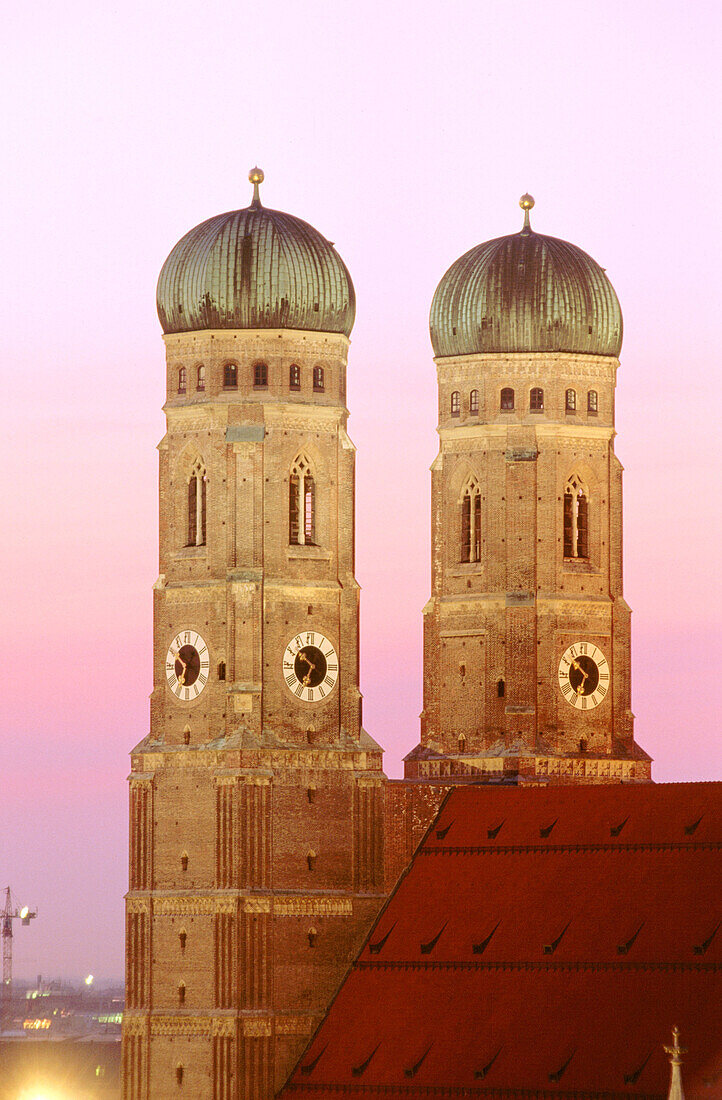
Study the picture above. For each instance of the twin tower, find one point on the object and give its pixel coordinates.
(264, 835)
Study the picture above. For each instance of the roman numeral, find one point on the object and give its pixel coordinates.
(329, 654)
(202, 679)
(594, 699)
(310, 695)
(583, 647)
(333, 668)
(566, 688)
(288, 664)
(204, 650)
(602, 661)
(290, 680)
(572, 650)
(310, 639)
(172, 681)
(299, 691)
(187, 637)
(186, 693)
(329, 681)
(595, 651)
(170, 665)
(195, 691)
(603, 675)
(565, 662)
(321, 692)
(584, 702)
(602, 690)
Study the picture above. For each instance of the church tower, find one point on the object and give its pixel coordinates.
(527, 634)
(256, 800)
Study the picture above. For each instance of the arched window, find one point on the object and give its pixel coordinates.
(470, 549)
(318, 380)
(474, 402)
(461, 742)
(230, 376)
(201, 378)
(260, 375)
(570, 403)
(182, 375)
(536, 400)
(294, 377)
(592, 403)
(181, 993)
(576, 518)
(506, 403)
(302, 504)
(456, 403)
(197, 492)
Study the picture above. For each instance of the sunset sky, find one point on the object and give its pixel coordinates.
(405, 132)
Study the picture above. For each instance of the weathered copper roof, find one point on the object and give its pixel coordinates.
(525, 292)
(255, 268)
(542, 943)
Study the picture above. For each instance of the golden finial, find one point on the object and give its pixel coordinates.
(256, 177)
(526, 202)
(676, 1051)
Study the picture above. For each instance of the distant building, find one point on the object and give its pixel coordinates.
(264, 835)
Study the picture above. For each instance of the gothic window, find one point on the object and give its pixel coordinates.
(302, 504)
(576, 518)
(182, 375)
(260, 375)
(500, 689)
(474, 402)
(201, 379)
(456, 403)
(592, 403)
(230, 376)
(318, 380)
(470, 549)
(197, 493)
(294, 377)
(536, 400)
(507, 400)
(570, 403)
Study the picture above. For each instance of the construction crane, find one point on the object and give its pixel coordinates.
(10, 913)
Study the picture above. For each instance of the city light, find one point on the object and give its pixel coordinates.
(89, 980)
(24, 912)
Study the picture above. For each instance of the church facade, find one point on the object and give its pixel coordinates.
(264, 835)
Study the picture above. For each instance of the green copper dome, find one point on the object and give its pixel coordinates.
(525, 292)
(255, 268)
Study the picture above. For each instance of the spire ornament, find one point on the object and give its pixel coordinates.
(526, 202)
(256, 177)
(675, 1052)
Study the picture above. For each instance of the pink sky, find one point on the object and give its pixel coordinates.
(405, 132)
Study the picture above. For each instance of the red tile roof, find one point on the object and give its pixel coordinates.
(543, 942)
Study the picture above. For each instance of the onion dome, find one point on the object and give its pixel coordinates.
(255, 268)
(525, 293)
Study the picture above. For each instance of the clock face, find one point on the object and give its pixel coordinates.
(310, 666)
(584, 675)
(186, 665)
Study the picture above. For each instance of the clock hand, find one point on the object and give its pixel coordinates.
(585, 675)
(182, 677)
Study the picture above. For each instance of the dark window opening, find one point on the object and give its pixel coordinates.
(474, 402)
(260, 375)
(576, 520)
(181, 993)
(182, 376)
(197, 493)
(201, 378)
(222, 670)
(592, 403)
(318, 379)
(536, 400)
(294, 377)
(570, 403)
(500, 689)
(456, 403)
(301, 505)
(506, 403)
(230, 376)
(471, 524)
(182, 936)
